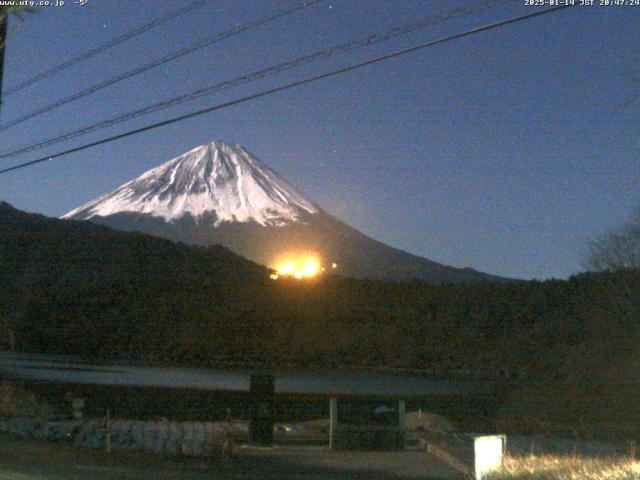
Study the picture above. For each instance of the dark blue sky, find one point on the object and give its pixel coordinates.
(502, 151)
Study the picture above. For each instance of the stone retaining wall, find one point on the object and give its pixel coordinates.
(196, 439)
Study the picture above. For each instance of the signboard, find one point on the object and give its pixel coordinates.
(368, 412)
(366, 424)
(488, 451)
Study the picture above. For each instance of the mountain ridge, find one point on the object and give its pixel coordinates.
(215, 178)
(220, 193)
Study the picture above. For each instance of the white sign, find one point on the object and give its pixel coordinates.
(488, 451)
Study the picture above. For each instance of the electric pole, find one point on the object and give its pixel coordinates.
(3, 40)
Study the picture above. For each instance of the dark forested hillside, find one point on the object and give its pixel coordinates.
(76, 287)
(81, 288)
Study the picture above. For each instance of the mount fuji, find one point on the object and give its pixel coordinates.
(222, 194)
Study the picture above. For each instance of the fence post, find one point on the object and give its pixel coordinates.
(632, 449)
(333, 421)
(107, 433)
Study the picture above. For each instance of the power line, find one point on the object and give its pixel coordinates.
(288, 86)
(156, 63)
(260, 74)
(106, 46)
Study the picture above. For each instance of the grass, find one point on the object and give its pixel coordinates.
(551, 467)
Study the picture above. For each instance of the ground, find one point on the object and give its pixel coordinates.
(22, 459)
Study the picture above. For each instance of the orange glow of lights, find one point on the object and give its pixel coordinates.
(299, 268)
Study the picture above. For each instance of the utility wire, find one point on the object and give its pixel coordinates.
(105, 46)
(260, 74)
(288, 86)
(156, 63)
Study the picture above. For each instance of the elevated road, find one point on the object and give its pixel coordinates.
(313, 382)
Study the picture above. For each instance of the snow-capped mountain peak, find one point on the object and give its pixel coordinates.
(218, 179)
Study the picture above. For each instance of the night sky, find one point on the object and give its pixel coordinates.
(502, 151)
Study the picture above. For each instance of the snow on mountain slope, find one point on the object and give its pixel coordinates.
(217, 179)
(220, 194)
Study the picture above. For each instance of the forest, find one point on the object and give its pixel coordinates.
(78, 288)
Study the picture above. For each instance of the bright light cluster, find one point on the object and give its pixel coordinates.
(299, 268)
